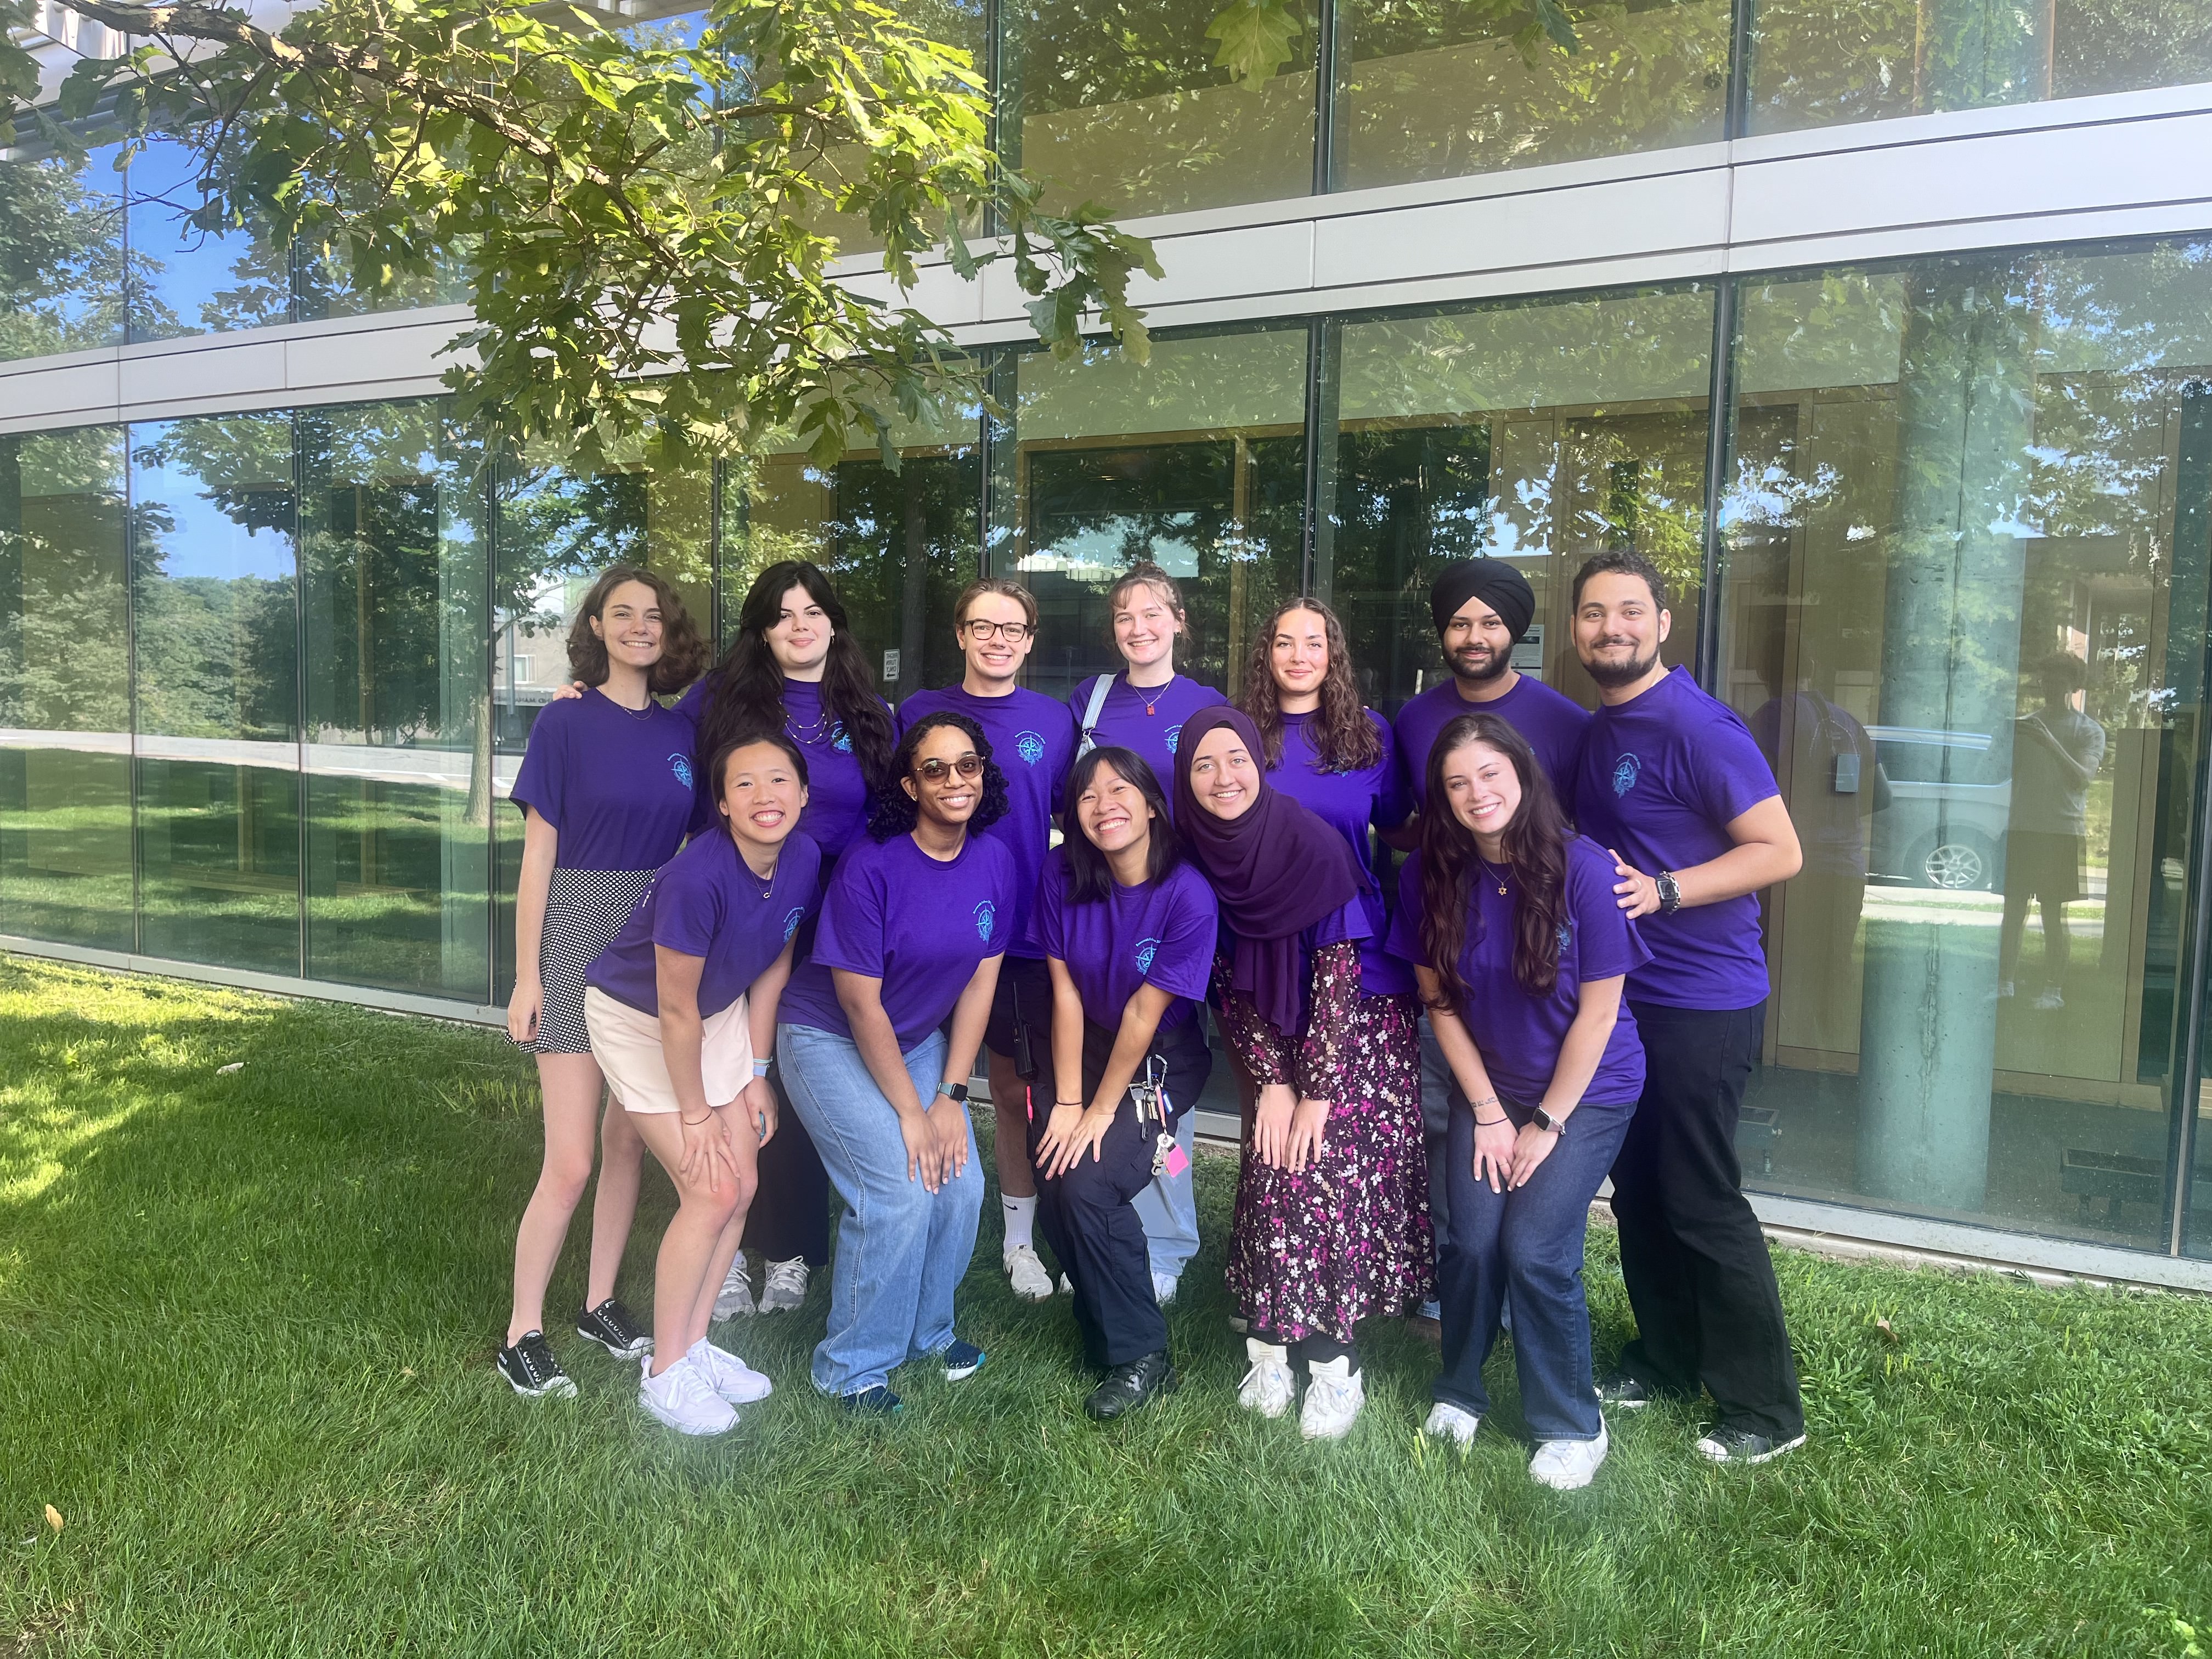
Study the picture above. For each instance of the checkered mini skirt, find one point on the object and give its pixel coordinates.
(584, 911)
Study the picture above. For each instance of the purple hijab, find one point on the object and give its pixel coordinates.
(1277, 871)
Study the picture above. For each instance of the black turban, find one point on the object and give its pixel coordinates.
(1493, 582)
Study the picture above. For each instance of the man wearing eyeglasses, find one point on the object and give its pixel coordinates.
(1033, 740)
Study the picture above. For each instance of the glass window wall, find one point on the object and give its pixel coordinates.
(215, 631)
(1119, 103)
(61, 260)
(1965, 613)
(1447, 91)
(184, 280)
(394, 558)
(1540, 432)
(1196, 461)
(64, 690)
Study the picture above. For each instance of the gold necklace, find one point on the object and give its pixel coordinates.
(1500, 880)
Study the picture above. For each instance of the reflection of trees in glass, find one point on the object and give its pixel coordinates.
(61, 255)
(63, 664)
(1440, 89)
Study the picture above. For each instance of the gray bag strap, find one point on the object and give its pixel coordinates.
(1099, 687)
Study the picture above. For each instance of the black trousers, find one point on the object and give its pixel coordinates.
(1708, 1313)
(790, 1213)
(1086, 1212)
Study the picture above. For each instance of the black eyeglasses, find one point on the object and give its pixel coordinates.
(968, 766)
(1013, 633)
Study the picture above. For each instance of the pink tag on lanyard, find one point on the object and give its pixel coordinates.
(1177, 1160)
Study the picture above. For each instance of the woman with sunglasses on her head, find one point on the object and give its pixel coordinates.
(605, 790)
(682, 1011)
(1143, 709)
(912, 931)
(1332, 1219)
(795, 667)
(1522, 949)
(1127, 930)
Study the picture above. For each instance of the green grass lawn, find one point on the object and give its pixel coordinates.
(246, 1324)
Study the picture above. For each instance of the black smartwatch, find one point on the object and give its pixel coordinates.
(954, 1091)
(1550, 1125)
(1670, 893)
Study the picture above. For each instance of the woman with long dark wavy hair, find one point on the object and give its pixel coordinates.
(1522, 949)
(916, 922)
(795, 667)
(606, 792)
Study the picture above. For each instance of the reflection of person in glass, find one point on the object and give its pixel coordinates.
(1835, 785)
(2055, 752)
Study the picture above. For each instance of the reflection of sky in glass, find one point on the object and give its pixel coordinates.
(182, 269)
(206, 541)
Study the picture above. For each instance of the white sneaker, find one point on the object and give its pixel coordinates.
(1030, 1282)
(2052, 997)
(683, 1399)
(1334, 1394)
(1163, 1288)
(735, 1381)
(1450, 1423)
(1270, 1387)
(735, 1299)
(783, 1286)
(1066, 1286)
(1568, 1465)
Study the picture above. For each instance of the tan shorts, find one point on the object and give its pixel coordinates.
(627, 1044)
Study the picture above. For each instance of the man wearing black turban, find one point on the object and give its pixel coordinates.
(1482, 608)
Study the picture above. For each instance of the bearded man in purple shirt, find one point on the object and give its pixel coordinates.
(1673, 785)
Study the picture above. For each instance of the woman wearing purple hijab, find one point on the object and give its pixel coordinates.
(1332, 1221)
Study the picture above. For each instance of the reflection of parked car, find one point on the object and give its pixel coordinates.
(1950, 793)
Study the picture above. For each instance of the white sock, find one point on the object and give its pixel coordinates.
(1021, 1221)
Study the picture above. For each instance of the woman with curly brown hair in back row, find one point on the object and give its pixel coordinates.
(606, 791)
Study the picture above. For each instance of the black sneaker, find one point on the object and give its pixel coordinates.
(960, 1359)
(1726, 1445)
(531, 1370)
(610, 1325)
(879, 1401)
(1623, 1392)
(1127, 1386)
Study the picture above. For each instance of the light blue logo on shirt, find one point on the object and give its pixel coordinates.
(1029, 746)
(791, 922)
(1147, 950)
(1623, 773)
(986, 913)
(681, 765)
(1174, 733)
(839, 740)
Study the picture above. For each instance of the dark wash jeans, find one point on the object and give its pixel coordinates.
(1088, 1214)
(1527, 1243)
(1708, 1312)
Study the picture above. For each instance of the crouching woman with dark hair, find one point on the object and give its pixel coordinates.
(916, 922)
(681, 1010)
(1521, 949)
(1127, 931)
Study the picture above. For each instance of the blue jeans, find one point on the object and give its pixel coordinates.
(1527, 1243)
(1168, 1205)
(902, 1249)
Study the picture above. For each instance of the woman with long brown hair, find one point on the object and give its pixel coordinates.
(1522, 949)
(606, 791)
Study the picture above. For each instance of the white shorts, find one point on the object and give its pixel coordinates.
(627, 1044)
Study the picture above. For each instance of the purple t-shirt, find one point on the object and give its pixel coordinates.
(616, 785)
(836, 791)
(894, 914)
(707, 902)
(1148, 721)
(1349, 802)
(1661, 777)
(1158, 931)
(1552, 722)
(1520, 1034)
(1033, 740)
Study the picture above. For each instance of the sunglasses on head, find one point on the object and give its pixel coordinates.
(969, 766)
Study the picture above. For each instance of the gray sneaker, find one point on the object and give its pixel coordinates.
(783, 1286)
(735, 1300)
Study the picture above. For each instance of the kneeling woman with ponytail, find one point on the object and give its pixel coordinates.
(1521, 949)
(1127, 931)
(681, 1008)
(1332, 1219)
